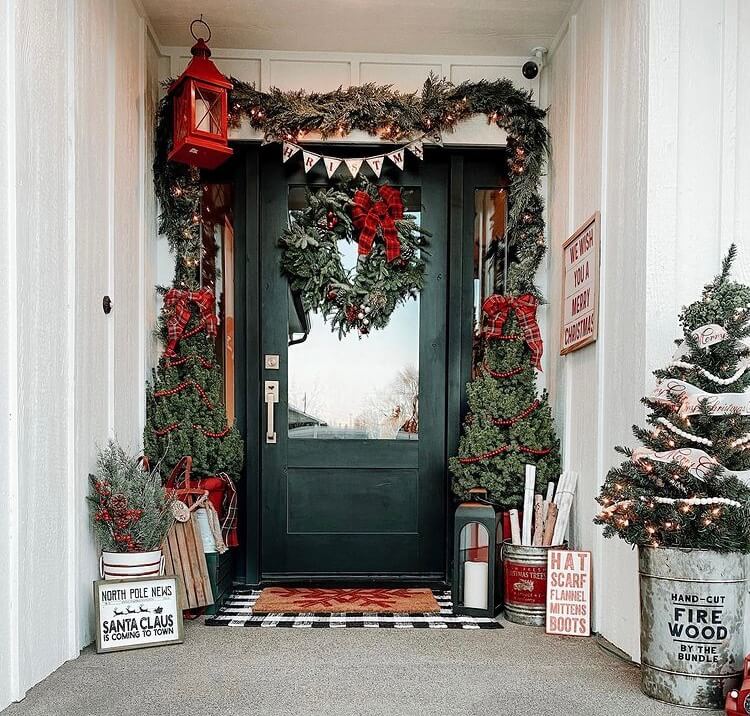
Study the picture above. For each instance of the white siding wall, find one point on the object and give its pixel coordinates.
(648, 121)
(75, 197)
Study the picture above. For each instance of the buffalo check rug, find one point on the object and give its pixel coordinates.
(237, 611)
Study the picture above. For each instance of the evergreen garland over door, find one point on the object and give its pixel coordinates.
(334, 503)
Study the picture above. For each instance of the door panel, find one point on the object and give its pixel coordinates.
(380, 501)
(345, 493)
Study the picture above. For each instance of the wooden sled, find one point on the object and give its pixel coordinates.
(183, 548)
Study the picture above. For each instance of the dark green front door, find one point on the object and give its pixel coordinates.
(354, 487)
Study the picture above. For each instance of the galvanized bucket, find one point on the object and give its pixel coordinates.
(692, 615)
(525, 570)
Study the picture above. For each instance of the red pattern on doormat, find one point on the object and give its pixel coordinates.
(311, 600)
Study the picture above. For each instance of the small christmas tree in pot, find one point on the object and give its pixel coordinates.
(185, 407)
(684, 499)
(509, 449)
(131, 513)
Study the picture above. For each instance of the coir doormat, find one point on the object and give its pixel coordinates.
(311, 600)
(238, 611)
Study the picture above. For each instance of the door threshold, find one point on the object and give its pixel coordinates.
(385, 581)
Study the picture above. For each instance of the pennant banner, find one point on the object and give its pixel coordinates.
(288, 150)
(690, 398)
(397, 158)
(376, 164)
(332, 164)
(309, 160)
(355, 164)
(417, 149)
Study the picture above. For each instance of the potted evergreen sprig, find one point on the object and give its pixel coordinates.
(683, 498)
(131, 513)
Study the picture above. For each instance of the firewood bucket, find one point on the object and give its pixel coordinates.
(692, 617)
(525, 571)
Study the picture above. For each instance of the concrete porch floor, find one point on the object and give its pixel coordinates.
(337, 672)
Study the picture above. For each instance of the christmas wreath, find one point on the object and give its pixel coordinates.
(391, 255)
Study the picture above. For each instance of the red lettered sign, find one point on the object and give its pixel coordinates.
(580, 288)
(524, 583)
(568, 593)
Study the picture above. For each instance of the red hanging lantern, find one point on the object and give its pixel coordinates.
(200, 110)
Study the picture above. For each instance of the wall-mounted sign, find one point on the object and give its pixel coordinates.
(580, 287)
(136, 613)
(568, 592)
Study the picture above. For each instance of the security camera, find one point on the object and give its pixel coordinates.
(530, 69)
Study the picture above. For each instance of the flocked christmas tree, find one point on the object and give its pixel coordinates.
(185, 406)
(508, 425)
(688, 485)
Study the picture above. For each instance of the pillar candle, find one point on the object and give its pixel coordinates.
(475, 585)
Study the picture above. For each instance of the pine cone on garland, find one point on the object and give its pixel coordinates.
(119, 502)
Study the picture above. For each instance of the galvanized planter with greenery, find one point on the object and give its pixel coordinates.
(684, 499)
(131, 513)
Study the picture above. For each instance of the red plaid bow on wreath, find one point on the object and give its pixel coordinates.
(368, 215)
(496, 309)
(178, 301)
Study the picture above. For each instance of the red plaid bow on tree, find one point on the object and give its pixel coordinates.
(178, 301)
(368, 215)
(496, 309)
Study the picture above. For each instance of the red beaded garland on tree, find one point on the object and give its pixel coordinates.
(505, 422)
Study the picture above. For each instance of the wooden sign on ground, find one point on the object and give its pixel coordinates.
(137, 613)
(568, 593)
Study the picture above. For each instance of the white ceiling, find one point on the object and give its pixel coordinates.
(430, 27)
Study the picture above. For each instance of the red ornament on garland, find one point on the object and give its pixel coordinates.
(351, 313)
(201, 117)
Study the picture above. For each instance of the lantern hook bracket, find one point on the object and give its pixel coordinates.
(200, 21)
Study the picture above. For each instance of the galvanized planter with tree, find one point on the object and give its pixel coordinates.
(684, 499)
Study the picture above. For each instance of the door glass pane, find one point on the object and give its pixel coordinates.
(357, 387)
(490, 217)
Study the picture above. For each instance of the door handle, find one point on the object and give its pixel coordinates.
(271, 393)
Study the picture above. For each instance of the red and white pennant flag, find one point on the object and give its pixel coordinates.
(353, 164)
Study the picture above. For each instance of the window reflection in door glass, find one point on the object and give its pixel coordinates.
(490, 218)
(355, 388)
